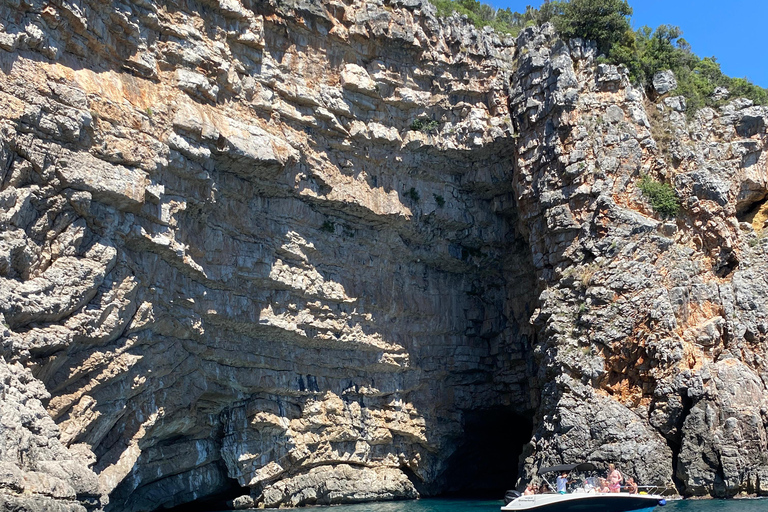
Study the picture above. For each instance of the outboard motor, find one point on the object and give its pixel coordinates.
(510, 495)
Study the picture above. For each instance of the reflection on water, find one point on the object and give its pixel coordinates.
(740, 505)
(460, 505)
(427, 505)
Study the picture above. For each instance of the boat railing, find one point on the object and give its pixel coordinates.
(591, 485)
(661, 490)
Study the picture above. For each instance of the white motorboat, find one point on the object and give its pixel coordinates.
(582, 500)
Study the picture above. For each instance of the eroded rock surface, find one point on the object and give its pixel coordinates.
(233, 263)
(293, 250)
(36, 470)
(652, 330)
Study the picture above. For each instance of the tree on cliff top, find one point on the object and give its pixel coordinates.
(647, 51)
(644, 52)
(604, 21)
(502, 20)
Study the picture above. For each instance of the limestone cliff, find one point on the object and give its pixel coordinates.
(652, 333)
(321, 252)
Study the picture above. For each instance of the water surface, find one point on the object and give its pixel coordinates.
(459, 505)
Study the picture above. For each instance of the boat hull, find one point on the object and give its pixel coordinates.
(584, 503)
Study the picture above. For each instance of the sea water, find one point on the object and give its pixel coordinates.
(459, 505)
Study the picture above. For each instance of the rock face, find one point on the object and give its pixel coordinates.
(315, 252)
(652, 332)
(664, 82)
(33, 461)
(233, 264)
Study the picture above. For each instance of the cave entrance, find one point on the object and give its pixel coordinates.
(221, 499)
(755, 213)
(487, 462)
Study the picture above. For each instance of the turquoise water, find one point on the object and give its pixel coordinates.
(455, 505)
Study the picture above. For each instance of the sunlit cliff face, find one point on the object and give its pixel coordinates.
(326, 253)
(236, 267)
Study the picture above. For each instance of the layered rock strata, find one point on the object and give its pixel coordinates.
(652, 331)
(235, 262)
(295, 250)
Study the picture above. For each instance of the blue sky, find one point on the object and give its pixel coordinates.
(731, 30)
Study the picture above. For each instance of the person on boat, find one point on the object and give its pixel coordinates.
(562, 483)
(594, 484)
(529, 490)
(543, 488)
(602, 485)
(631, 485)
(614, 478)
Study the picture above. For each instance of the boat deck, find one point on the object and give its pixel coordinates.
(592, 502)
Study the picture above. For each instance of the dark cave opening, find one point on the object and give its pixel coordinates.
(487, 463)
(220, 500)
(675, 443)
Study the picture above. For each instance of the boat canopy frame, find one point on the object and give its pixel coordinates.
(580, 466)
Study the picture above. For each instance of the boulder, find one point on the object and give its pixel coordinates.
(664, 82)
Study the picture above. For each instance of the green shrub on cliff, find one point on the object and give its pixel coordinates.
(661, 195)
(413, 194)
(423, 125)
(604, 21)
(644, 51)
(502, 20)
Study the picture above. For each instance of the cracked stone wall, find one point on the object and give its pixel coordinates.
(652, 335)
(292, 250)
(228, 261)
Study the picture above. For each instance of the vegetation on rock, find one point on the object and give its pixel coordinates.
(661, 195)
(604, 21)
(422, 125)
(483, 15)
(644, 51)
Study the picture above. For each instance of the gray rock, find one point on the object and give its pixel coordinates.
(608, 73)
(715, 446)
(38, 470)
(113, 184)
(676, 103)
(196, 84)
(339, 484)
(664, 82)
(233, 180)
(614, 114)
(243, 502)
(720, 93)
